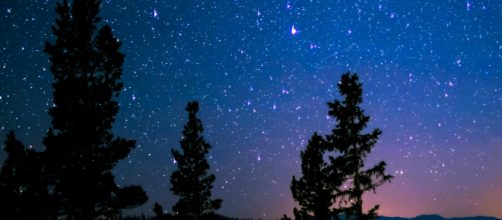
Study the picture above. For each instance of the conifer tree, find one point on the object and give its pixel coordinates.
(353, 145)
(11, 175)
(313, 191)
(191, 182)
(159, 213)
(81, 149)
(22, 192)
(330, 188)
(158, 210)
(285, 217)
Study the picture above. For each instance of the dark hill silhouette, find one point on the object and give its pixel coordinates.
(420, 217)
(432, 217)
(438, 217)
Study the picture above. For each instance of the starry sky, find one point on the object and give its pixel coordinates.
(263, 72)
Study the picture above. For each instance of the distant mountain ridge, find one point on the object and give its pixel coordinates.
(420, 217)
(438, 217)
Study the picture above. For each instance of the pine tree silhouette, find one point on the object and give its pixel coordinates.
(159, 212)
(11, 177)
(81, 150)
(353, 145)
(330, 188)
(22, 196)
(313, 190)
(191, 181)
(285, 217)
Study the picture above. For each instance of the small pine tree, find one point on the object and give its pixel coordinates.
(81, 149)
(12, 178)
(285, 217)
(313, 191)
(191, 181)
(158, 210)
(353, 145)
(22, 196)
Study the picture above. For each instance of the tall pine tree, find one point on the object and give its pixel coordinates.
(191, 182)
(313, 191)
(81, 149)
(353, 145)
(330, 188)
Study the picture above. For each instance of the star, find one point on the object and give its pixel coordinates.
(293, 30)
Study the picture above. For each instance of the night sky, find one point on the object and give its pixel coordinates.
(263, 72)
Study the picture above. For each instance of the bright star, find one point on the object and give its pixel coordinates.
(293, 30)
(155, 13)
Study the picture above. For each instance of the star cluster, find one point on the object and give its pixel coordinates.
(263, 72)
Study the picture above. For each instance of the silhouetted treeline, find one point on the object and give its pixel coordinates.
(72, 177)
(171, 217)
